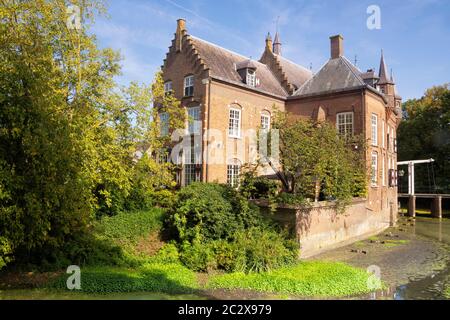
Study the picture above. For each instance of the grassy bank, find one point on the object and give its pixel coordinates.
(308, 279)
(147, 264)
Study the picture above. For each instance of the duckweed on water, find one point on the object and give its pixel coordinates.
(309, 279)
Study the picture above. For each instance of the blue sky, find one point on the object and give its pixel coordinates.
(414, 34)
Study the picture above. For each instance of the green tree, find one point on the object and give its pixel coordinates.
(425, 133)
(318, 163)
(68, 133)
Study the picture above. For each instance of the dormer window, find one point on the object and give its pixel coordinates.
(247, 71)
(251, 78)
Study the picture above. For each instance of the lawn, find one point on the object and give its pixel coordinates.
(306, 279)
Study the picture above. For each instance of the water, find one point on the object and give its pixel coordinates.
(42, 294)
(430, 287)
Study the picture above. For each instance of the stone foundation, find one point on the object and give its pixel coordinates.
(321, 227)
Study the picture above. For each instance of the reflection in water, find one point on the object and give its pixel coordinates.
(430, 287)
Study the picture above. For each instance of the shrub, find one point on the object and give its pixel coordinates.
(253, 187)
(263, 249)
(167, 254)
(198, 256)
(128, 227)
(205, 211)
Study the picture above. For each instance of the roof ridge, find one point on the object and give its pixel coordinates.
(230, 51)
(310, 79)
(351, 67)
(293, 62)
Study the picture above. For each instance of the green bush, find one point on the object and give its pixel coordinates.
(207, 211)
(128, 227)
(198, 256)
(167, 254)
(253, 187)
(263, 249)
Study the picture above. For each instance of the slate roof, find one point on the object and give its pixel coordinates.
(336, 75)
(296, 74)
(222, 65)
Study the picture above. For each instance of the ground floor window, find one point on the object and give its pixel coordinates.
(233, 172)
(191, 174)
(374, 169)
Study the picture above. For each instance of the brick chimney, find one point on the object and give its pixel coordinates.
(181, 29)
(337, 46)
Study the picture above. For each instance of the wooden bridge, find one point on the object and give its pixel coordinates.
(436, 203)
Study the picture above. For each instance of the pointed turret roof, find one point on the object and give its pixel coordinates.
(277, 44)
(383, 75)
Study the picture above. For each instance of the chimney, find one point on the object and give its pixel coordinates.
(181, 29)
(337, 46)
(269, 42)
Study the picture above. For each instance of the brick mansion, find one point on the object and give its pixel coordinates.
(231, 93)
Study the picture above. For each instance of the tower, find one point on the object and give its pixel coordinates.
(277, 44)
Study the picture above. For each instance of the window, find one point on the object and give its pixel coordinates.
(234, 124)
(190, 175)
(374, 169)
(265, 121)
(251, 78)
(389, 138)
(344, 123)
(383, 138)
(164, 123)
(383, 171)
(194, 121)
(168, 87)
(233, 172)
(189, 86)
(374, 130)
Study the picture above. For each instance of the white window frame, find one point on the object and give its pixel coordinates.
(188, 89)
(383, 137)
(265, 121)
(374, 124)
(251, 78)
(234, 124)
(190, 174)
(233, 173)
(344, 124)
(164, 124)
(194, 120)
(383, 171)
(374, 169)
(168, 86)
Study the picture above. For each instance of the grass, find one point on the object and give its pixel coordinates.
(395, 243)
(447, 291)
(152, 277)
(308, 279)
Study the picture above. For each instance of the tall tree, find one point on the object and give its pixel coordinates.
(425, 133)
